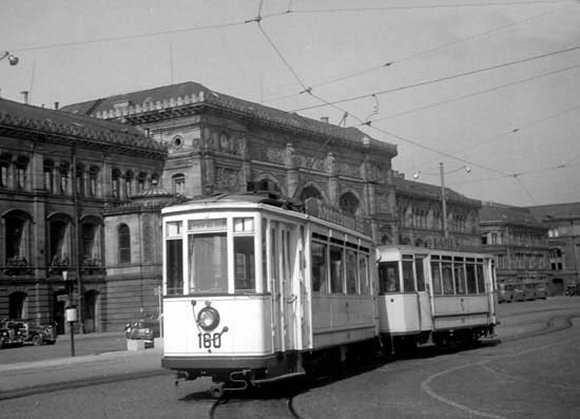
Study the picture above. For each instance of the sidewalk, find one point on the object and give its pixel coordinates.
(19, 379)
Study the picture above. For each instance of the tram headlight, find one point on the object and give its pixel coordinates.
(208, 318)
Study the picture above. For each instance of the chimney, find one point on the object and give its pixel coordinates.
(56, 104)
(24, 94)
(325, 119)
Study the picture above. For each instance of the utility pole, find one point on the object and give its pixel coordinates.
(443, 200)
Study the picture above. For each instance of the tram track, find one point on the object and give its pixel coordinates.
(228, 407)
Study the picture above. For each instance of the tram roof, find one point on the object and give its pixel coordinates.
(405, 249)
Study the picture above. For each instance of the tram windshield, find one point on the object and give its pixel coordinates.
(208, 263)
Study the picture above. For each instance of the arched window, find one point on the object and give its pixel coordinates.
(349, 203)
(17, 238)
(310, 192)
(124, 244)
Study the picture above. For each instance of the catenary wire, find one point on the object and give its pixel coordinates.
(442, 79)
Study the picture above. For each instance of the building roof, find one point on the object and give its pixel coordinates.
(191, 94)
(557, 211)
(425, 190)
(491, 214)
(33, 120)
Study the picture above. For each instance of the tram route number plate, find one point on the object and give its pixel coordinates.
(209, 340)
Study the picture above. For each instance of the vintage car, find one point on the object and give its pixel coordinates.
(20, 332)
(12, 333)
(146, 329)
(39, 333)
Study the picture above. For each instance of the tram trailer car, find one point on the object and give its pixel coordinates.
(255, 293)
(434, 297)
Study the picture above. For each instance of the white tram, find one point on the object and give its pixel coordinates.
(429, 296)
(255, 293)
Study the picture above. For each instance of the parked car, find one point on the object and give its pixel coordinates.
(39, 333)
(146, 329)
(573, 290)
(11, 333)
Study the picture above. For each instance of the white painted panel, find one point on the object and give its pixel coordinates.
(399, 313)
(247, 320)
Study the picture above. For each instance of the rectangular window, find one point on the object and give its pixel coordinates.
(420, 271)
(173, 228)
(336, 269)
(459, 277)
(436, 274)
(319, 268)
(363, 269)
(389, 277)
(174, 268)
(244, 270)
(480, 278)
(243, 225)
(471, 279)
(351, 271)
(447, 277)
(408, 276)
(208, 263)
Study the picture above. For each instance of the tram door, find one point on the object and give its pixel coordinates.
(423, 293)
(283, 297)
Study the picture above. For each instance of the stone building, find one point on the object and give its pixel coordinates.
(82, 188)
(563, 224)
(517, 240)
(420, 216)
(58, 173)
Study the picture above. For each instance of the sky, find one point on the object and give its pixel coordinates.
(488, 88)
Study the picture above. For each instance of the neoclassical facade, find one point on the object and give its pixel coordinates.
(81, 190)
(58, 173)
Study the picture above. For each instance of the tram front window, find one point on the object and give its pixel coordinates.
(389, 277)
(244, 260)
(208, 263)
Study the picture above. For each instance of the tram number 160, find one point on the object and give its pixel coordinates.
(209, 340)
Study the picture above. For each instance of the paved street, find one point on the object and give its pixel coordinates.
(531, 373)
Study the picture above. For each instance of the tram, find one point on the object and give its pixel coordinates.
(255, 292)
(434, 297)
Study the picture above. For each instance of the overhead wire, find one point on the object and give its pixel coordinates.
(429, 6)
(477, 93)
(445, 78)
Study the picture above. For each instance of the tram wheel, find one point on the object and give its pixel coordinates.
(217, 390)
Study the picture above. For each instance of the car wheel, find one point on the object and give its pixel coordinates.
(37, 340)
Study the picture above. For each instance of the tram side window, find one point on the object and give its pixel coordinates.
(244, 264)
(408, 277)
(350, 272)
(436, 274)
(420, 268)
(459, 277)
(336, 269)
(208, 263)
(471, 280)
(174, 273)
(363, 263)
(389, 277)
(480, 278)
(319, 268)
(447, 276)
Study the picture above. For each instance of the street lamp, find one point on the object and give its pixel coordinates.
(71, 312)
(12, 59)
(443, 193)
